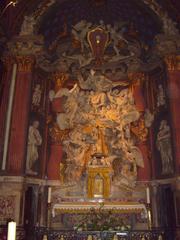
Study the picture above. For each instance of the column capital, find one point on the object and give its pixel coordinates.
(25, 63)
(26, 45)
(172, 62)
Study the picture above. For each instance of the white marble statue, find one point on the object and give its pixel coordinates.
(36, 98)
(148, 118)
(161, 98)
(34, 141)
(163, 143)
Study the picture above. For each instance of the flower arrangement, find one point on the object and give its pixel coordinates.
(102, 220)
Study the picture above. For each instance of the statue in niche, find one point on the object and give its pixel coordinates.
(27, 27)
(98, 186)
(161, 98)
(163, 143)
(34, 141)
(36, 98)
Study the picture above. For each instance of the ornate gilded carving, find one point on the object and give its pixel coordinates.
(57, 135)
(173, 62)
(59, 79)
(25, 63)
(140, 130)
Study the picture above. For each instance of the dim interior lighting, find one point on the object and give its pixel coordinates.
(11, 3)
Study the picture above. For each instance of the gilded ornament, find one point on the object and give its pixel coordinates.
(57, 135)
(59, 79)
(140, 130)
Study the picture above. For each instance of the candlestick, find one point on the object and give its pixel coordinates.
(49, 194)
(11, 231)
(148, 195)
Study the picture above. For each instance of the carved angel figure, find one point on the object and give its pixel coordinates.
(116, 36)
(79, 31)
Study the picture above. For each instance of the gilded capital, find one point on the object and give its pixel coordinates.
(25, 63)
(172, 62)
(59, 79)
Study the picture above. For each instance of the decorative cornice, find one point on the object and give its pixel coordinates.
(26, 45)
(22, 180)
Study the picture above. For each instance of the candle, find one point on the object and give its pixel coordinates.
(11, 231)
(8, 117)
(148, 195)
(49, 194)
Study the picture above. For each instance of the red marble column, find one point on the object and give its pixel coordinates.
(53, 167)
(173, 66)
(54, 162)
(137, 80)
(20, 112)
(56, 148)
(137, 89)
(144, 174)
(5, 81)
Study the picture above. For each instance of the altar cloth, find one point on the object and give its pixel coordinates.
(84, 207)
